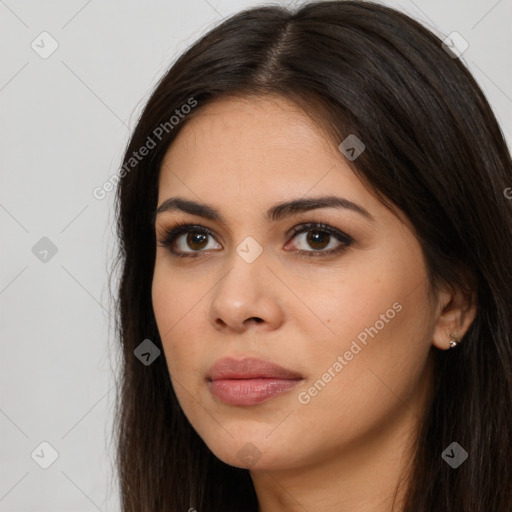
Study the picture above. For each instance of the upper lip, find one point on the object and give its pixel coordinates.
(249, 368)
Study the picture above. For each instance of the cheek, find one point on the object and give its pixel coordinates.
(383, 299)
(373, 366)
(175, 316)
(357, 306)
(176, 309)
(379, 324)
(173, 298)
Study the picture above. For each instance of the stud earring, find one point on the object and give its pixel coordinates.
(454, 341)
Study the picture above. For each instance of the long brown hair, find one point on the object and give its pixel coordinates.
(433, 148)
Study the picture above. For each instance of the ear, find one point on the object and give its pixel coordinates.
(456, 310)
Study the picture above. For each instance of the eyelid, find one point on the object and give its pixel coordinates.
(169, 234)
(320, 226)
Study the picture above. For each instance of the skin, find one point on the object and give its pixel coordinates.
(347, 448)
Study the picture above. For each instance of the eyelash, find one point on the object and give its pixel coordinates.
(170, 235)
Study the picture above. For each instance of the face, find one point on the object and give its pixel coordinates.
(337, 296)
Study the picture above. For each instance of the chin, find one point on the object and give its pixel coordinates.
(252, 452)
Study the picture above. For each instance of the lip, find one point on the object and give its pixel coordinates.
(249, 368)
(249, 381)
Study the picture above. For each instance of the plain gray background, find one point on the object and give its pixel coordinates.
(65, 120)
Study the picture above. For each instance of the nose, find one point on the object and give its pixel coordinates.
(246, 295)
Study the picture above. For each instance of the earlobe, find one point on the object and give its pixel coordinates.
(455, 318)
(453, 341)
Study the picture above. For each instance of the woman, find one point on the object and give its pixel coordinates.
(315, 299)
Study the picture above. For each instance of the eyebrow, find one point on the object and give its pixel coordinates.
(275, 213)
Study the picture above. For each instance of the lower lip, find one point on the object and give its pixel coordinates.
(250, 391)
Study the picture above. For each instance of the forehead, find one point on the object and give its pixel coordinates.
(258, 141)
(257, 127)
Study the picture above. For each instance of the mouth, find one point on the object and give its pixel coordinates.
(249, 381)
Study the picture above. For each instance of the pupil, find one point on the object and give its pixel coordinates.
(192, 239)
(316, 237)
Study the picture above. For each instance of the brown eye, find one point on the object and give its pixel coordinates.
(196, 241)
(321, 240)
(318, 238)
